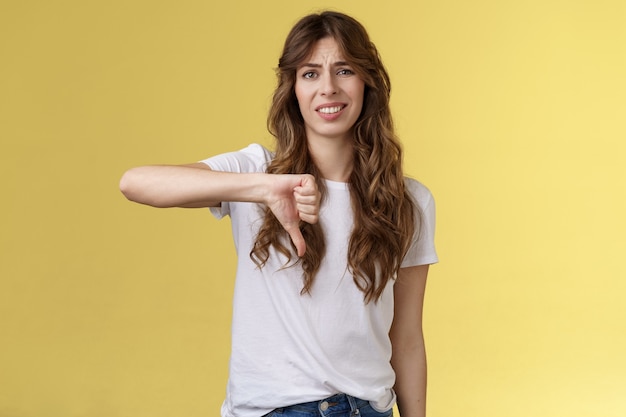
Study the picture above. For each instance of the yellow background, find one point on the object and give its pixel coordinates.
(512, 112)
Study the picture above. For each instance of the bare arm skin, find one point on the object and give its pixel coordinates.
(292, 198)
(407, 339)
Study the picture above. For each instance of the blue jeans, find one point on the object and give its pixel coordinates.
(339, 405)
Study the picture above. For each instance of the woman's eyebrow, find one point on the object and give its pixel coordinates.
(335, 64)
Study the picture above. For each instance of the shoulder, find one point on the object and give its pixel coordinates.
(258, 152)
(252, 158)
(420, 193)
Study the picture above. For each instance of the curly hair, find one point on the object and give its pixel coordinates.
(385, 216)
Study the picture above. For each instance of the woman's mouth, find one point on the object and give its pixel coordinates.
(330, 110)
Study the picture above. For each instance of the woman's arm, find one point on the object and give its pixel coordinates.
(409, 355)
(292, 198)
(192, 185)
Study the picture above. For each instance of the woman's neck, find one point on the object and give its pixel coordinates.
(333, 158)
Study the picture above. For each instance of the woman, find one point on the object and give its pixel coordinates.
(333, 242)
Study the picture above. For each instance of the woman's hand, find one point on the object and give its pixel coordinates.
(294, 198)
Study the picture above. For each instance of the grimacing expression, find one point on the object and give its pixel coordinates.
(329, 92)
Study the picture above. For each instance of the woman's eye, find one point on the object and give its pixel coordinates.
(345, 71)
(309, 75)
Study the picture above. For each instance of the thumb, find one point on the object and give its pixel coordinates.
(297, 239)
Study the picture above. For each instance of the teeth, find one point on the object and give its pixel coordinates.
(330, 110)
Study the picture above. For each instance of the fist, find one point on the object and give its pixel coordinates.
(294, 198)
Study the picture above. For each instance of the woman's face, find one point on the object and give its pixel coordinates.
(329, 93)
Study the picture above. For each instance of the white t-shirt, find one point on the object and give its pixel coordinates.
(289, 348)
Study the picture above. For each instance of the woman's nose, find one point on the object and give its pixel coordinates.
(329, 85)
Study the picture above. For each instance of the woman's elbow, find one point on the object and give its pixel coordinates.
(130, 186)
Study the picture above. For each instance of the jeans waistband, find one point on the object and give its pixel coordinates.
(333, 404)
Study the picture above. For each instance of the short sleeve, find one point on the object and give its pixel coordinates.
(422, 250)
(253, 158)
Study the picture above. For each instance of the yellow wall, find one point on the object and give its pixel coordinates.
(512, 112)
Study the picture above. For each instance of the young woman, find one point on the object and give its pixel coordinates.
(333, 241)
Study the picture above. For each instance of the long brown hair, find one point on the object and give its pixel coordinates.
(385, 216)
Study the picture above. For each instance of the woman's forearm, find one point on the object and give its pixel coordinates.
(410, 387)
(190, 186)
(407, 339)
